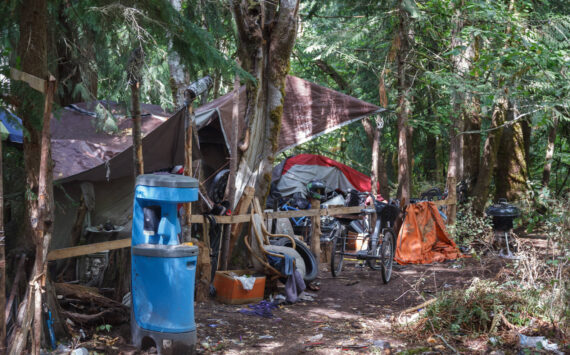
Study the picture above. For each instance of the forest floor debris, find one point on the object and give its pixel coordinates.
(372, 317)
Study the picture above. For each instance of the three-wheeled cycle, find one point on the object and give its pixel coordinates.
(378, 244)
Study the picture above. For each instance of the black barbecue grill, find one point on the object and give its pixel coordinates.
(503, 215)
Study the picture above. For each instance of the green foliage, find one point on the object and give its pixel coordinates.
(469, 226)
(543, 213)
(104, 327)
(521, 51)
(478, 309)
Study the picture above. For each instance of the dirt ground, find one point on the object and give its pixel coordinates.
(350, 313)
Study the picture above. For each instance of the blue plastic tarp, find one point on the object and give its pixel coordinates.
(11, 127)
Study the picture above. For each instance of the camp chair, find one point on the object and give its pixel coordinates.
(259, 246)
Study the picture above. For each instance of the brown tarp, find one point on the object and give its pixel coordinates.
(423, 238)
(83, 154)
(309, 110)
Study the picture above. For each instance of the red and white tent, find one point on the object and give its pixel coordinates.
(294, 173)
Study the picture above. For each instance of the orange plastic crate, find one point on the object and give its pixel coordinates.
(230, 290)
(354, 242)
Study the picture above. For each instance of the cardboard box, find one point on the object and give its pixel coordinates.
(230, 290)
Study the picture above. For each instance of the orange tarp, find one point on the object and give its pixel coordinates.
(423, 238)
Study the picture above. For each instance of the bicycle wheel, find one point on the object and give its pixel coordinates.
(337, 253)
(374, 264)
(387, 252)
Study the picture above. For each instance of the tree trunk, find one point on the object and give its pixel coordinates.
(549, 152)
(382, 176)
(472, 144)
(512, 172)
(2, 261)
(138, 161)
(490, 149)
(266, 34)
(460, 67)
(134, 73)
(35, 112)
(404, 138)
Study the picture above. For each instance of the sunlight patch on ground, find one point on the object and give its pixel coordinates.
(333, 313)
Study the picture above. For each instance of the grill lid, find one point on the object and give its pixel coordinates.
(502, 209)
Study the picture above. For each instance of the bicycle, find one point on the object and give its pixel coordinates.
(379, 254)
(301, 225)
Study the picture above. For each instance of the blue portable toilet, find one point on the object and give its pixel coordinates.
(163, 269)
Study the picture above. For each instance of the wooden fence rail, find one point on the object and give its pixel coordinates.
(124, 243)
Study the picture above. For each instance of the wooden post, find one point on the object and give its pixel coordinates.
(45, 214)
(452, 197)
(316, 230)
(188, 164)
(230, 192)
(375, 147)
(2, 263)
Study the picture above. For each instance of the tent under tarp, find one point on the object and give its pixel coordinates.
(83, 154)
(294, 173)
(309, 110)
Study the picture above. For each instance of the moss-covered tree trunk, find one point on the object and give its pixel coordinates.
(489, 157)
(35, 111)
(266, 33)
(512, 168)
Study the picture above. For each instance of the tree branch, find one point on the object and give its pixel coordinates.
(506, 124)
(285, 30)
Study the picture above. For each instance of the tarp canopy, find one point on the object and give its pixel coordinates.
(309, 110)
(83, 154)
(294, 173)
(423, 238)
(10, 127)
